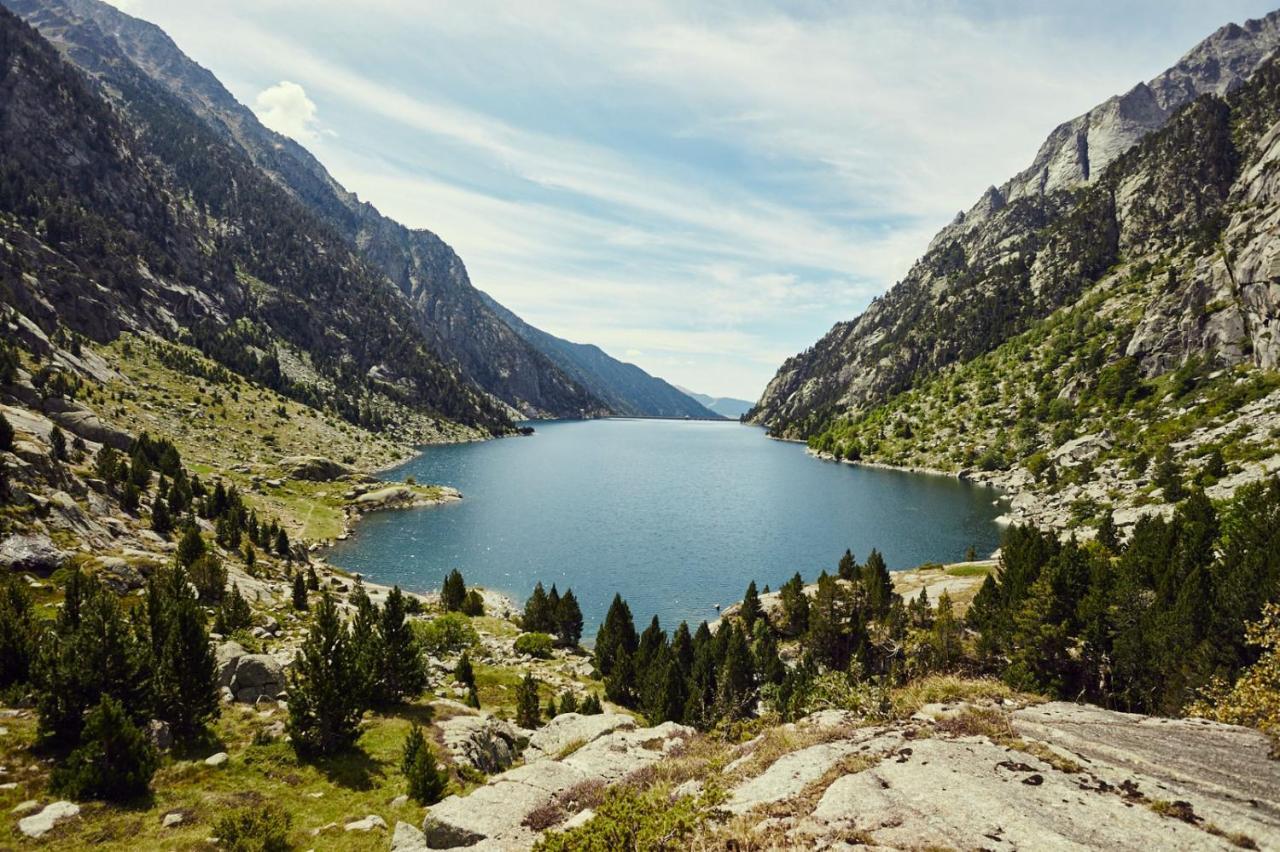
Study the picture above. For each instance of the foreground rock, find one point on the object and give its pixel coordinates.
(572, 750)
(481, 741)
(38, 825)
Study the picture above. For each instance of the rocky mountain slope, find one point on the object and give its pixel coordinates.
(127, 213)
(1089, 200)
(534, 372)
(625, 388)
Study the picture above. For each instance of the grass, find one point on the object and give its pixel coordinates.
(970, 569)
(950, 689)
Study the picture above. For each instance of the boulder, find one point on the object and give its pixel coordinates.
(257, 676)
(159, 734)
(313, 468)
(391, 497)
(407, 838)
(216, 760)
(38, 825)
(571, 728)
(369, 823)
(226, 656)
(31, 552)
(82, 422)
(484, 742)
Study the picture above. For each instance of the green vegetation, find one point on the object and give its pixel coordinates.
(553, 613)
(536, 645)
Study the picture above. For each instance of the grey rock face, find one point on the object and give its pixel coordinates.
(248, 677)
(482, 741)
(31, 552)
(408, 838)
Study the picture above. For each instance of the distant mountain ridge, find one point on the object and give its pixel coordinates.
(523, 370)
(625, 388)
(725, 406)
(1036, 243)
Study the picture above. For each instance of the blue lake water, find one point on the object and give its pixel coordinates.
(676, 515)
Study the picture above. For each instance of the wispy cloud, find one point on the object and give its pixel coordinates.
(709, 186)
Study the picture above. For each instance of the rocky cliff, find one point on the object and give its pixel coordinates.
(1092, 197)
(536, 373)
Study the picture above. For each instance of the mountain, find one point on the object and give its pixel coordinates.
(120, 210)
(725, 406)
(1038, 242)
(625, 388)
(523, 367)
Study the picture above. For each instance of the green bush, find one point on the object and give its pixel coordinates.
(114, 760)
(534, 644)
(259, 829)
(449, 632)
(635, 819)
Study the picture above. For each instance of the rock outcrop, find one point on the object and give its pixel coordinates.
(481, 741)
(248, 677)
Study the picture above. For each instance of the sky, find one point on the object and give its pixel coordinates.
(701, 188)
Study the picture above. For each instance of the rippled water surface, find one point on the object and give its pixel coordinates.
(676, 515)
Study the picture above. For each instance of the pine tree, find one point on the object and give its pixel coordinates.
(183, 665)
(569, 620)
(454, 592)
(463, 672)
(735, 690)
(591, 706)
(313, 579)
(617, 637)
(191, 546)
(209, 576)
(404, 674)
(877, 585)
(114, 760)
(848, 567)
(366, 646)
(795, 607)
(652, 641)
(161, 522)
(946, 634)
(18, 632)
(282, 544)
(299, 592)
(536, 618)
(92, 652)
(550, 709)
(568, 703)
(682, 649)
(233, 614)
(473, 605)
(1108, 536)
(750, 610)
(827, 639)
(473, 697)
(6, 434)
(427, 778)
(324, 687)
(527, 703)
(765, 658)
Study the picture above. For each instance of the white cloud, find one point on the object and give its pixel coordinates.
(285, 108)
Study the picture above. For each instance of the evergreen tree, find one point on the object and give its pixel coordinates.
(233, 614)
(107, 466)
(6, 434)
(366, 646)
(527, 703)
(463, 672)
(313, 579)
(183, 665)
(209, 576)
(161, 522)
(427, 778)
(569, 620)
(114, 760)
(1167, 476)
(537, 618)
(129, 498)
(946, 634)
(848, 567)
(1108, 536)
(877, 585)
(735, 681)
(191, 546)
(617, 636)
(92, 652)
(18, 632)
(453, 593)
(682, 649)
(299, 592)
(324, 687)
(473, 605)
(282, 544)
(568, 703)
(591, 705)
(765, 658)
(750, 610)
(550, 709)
(652, 641)
(473, 697)
(403, 672)
(795, 607)
(827, 639)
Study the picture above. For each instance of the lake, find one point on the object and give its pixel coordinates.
(676, 515)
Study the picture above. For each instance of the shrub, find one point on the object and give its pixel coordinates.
(534, 644)
(449, 632)
(259, 829)
(114, 760)
(635, 819)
